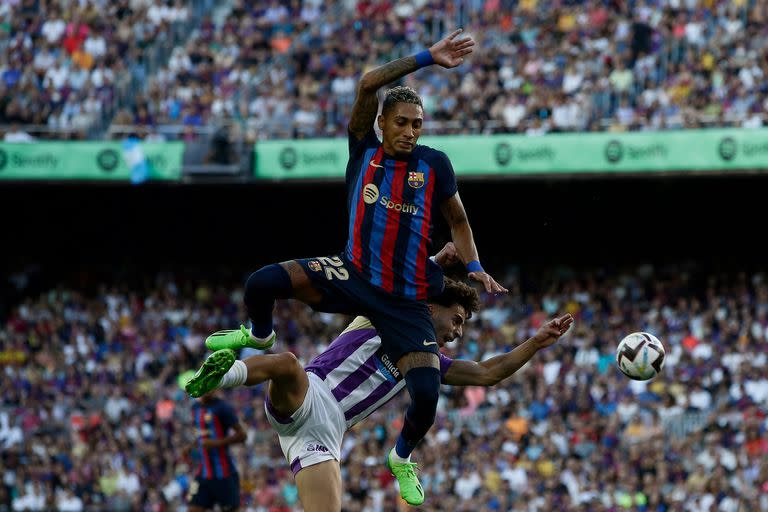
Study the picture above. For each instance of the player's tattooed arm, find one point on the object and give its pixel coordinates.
(461, 232)
(366, 103)
(449, 52)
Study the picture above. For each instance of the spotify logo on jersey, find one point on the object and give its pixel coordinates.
(370, 193)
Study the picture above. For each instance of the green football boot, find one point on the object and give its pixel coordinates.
(410, 487)
(209, 375)
(237, 339)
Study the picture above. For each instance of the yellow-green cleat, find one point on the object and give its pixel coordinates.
(237, 339)
(410, 487)
(209, 375)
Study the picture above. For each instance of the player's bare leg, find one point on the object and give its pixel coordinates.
(319, 487)
(286, 280)
(288, 381)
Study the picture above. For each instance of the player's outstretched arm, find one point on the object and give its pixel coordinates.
(494, 370)
(448, 53)
(461, 233)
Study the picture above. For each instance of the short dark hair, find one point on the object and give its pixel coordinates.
(400, 94)
(456, 292)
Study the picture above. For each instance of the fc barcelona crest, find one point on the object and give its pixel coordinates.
(416, 179)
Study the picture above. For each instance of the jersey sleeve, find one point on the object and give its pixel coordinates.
(445, 363)
(445, 186)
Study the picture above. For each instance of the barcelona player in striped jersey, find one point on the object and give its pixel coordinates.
(396, 188)
(216, 480)
(311, 408)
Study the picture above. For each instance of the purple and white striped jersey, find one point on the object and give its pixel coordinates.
(358, 373)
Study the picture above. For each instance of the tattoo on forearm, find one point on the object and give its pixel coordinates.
(453, 211)
(367, 104)
(457, 217)
(391, 71)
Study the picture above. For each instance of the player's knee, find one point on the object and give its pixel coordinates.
(288, 364)
(267, 283)
(290, 382)
(253, 286)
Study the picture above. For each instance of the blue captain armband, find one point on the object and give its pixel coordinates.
(474, 266)
(424, 59)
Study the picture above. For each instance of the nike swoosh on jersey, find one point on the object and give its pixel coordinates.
(377, 165)
(430, 343)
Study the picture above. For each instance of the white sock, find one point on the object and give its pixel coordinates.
(235, 376)
(253, 336)
(397, 458)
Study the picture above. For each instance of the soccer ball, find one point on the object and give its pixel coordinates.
(640, 356)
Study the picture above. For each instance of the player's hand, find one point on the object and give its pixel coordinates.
(552, 330)
(448, 256)
(490, 284)
(450, 52)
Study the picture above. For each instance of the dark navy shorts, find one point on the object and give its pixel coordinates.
(405, 325)
(206, 493)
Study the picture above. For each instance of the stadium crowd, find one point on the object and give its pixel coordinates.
(283, 69)
(66, 67)
(92, 418)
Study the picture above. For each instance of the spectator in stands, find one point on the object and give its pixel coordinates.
(16, 134)
(644, 52)
(611, 61)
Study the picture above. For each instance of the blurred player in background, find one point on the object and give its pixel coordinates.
(216, 480)
(395, 189)
(312, 407)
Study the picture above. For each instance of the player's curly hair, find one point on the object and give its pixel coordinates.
(400, 94)
(456, 292)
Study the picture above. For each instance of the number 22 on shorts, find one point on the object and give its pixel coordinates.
(334, 268)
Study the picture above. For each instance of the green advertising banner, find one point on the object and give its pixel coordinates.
(519, 155)
(86, 161)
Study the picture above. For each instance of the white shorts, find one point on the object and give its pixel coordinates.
(313, 434)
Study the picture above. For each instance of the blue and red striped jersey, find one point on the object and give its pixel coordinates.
(213, 420)
(392, 204)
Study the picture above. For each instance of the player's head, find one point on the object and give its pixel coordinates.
(451, 309)
(400, 121)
